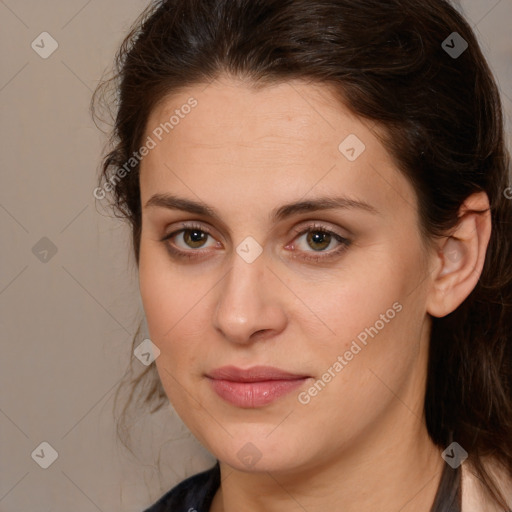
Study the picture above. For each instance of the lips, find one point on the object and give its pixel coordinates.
(254, 374)
(253, 387)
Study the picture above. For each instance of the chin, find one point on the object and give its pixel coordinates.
(253, 454)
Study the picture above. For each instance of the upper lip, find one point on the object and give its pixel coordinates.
(253, 374)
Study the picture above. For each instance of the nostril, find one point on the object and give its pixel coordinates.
(262, 333)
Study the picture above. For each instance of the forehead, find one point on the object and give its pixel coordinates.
(230, 111)
(289, 139)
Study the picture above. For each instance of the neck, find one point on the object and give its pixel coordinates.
(375, 474)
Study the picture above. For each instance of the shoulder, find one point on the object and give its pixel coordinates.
(192, 494)
(474, 497)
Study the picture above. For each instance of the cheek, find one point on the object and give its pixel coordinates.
(168, 300)
(349, 303)
(369, 356)
(174, 300)
(159, 303)
(165, 292)
(371, 317)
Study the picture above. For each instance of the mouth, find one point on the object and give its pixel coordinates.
(253, 387)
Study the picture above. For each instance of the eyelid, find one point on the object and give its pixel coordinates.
(297, 231)
(315, 225)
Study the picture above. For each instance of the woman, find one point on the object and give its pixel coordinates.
(317, 191)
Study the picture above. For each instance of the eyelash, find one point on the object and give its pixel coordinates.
(194, 254)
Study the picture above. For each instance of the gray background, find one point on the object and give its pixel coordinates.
(67, 323)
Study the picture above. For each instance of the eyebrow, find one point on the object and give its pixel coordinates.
(173, 202)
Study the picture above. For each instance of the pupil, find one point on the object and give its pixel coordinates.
(318, 237)
(196, 237)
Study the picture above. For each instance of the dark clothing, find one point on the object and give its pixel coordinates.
(195, 494)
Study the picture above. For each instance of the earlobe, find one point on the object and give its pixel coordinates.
(461, 256)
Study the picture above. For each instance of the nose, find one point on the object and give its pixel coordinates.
(250, 302)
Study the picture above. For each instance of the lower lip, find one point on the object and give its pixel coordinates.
(254, 394)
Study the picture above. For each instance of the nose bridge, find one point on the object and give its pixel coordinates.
(244, 305)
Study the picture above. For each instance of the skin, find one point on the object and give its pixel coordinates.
(361, 441)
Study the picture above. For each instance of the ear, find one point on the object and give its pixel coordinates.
(460, 257)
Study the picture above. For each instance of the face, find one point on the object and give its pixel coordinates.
(333, 293)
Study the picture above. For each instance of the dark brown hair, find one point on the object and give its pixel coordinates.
(442, 119)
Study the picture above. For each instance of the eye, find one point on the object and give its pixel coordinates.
(319, 238)
(190, 237)
(189, 242)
